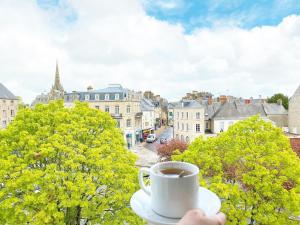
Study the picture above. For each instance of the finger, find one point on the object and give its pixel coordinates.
(221, 217)
(218, 219)
(192, 217)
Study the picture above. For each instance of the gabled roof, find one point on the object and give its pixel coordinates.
(237, 110)
(241, 110)
(274, 109)
(115, 89)
(211, 110)
(188, 104)
(146, 105)
(6, 94)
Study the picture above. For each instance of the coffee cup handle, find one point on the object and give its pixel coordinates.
(141, 180)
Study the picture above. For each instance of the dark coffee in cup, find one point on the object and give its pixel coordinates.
(175, 172)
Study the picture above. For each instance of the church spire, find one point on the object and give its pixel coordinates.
(57, 84)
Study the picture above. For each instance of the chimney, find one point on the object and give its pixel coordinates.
(209, 100)
(89, 88)
(223, 99)
(247, 101)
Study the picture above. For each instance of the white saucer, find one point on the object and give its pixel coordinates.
(140, 203)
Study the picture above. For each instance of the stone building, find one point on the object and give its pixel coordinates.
(8, 106)
(188, 120)
(230, 113)
(160, 108)
(122, 104)
(56, 92)
(294, 113)
(148, 117)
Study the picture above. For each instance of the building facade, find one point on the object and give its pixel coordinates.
(8, 106)
(188, 119)
(56, 92)
(294, 113)
(148, 117)
(231, 112)
(122, 104)
(160, 108)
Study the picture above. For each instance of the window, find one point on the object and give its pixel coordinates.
(4, 124)
(12, 112)
(4, 113)
(117, 96)
(128, 109)
(106, 97)
(177, 115)
(128, 123)
(106, 108)
(117, 110)
(197, 127)
(187, 115)
(177, 136)
(187, 139)
(182, 126)
(207, 126)
(187, 127)
(97, 106)
(97, 97)
(197, 115)
(87, 97)
(182, 115)
(178, 126)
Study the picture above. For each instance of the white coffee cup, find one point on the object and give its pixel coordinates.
(171, 196)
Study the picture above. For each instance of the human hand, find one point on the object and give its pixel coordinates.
(197, 217)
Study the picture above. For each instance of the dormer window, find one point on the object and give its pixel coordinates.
(97, 97)
(106, 97)
(117, 96)
(87, 97)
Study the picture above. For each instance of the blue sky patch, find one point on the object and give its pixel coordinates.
(193, 14)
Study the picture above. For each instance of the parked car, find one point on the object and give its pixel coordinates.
(163, 140)
(151, 138)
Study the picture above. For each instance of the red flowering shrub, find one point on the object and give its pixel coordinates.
(166, 151)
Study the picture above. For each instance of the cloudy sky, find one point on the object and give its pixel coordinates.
(238, 47)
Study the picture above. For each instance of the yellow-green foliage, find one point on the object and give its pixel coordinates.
(253, 169)
(59, 166)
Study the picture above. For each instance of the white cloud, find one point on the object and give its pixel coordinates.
(116, 42)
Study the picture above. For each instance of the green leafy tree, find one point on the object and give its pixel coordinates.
(253, 169)
(65, 166)
(280, 97)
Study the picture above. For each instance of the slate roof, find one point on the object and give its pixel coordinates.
(111, 90)
(172, 105)
(188, 104)
(6, 94)
(240, 110)
(146, 105)
(274, 109)
(211, 110)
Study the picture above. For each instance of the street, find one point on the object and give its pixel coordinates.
(167, 133)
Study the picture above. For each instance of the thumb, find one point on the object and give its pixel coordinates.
(221, 218)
